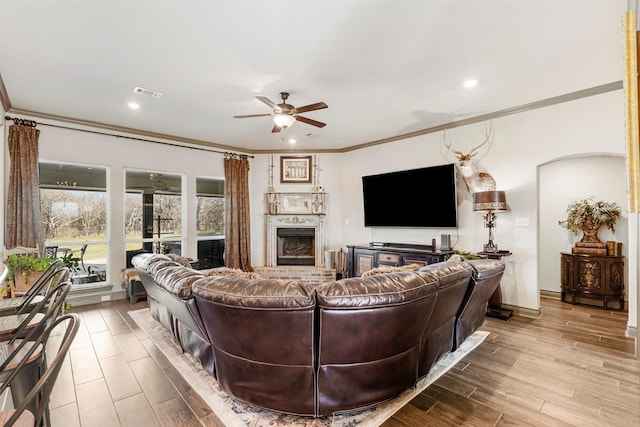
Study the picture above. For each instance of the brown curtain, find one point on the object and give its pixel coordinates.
(237, 247)
(24, 218)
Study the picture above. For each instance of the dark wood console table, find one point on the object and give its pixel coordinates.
(494, 308)
(366, 257)
(594, 276)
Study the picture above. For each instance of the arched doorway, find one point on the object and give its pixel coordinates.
(564, 180)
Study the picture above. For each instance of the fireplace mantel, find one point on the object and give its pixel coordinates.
(294, 210)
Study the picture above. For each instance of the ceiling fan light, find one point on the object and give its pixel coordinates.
(284, 120)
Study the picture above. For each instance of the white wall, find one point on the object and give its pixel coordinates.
(567, 180)
(520, 143)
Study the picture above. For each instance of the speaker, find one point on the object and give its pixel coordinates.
(445, 242)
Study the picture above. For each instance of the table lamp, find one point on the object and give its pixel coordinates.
(490, 202)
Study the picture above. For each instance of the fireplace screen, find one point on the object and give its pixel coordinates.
(296, 246)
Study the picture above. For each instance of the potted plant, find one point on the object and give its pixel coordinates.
(588, 216)
(461, 256)
(25, 269)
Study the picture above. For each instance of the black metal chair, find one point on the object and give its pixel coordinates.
(83, 250)
(32, 406)
(18, 346)
(4, 272)
(20, 325)
(79, 259)
(51, 251)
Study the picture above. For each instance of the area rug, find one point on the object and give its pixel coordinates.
(233, 412)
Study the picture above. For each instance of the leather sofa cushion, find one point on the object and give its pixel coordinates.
(453, 282)
(484, 268)
(231, 272)
(376, 291)
(177, 280)
(370, 332)
(179, 259)
(144, 260)
(266, 293)
(448, 272)
(262, 333)
(485, 279)
(155, 267)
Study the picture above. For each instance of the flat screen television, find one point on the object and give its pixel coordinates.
(419, 198)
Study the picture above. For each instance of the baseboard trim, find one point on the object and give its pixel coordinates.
(631, 332)
(522, 311)
(550, 294)
(79, 297)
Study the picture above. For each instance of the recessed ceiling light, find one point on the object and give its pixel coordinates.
(470, 83)
(292, 141)
(133, 105)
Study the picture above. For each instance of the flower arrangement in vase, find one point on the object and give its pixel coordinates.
(589, 216)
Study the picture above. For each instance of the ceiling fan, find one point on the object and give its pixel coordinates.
(285, 115)
(157, 183)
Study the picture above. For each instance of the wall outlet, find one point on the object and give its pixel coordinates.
(104, 298)
(522, 222)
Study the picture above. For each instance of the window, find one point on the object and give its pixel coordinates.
(210, 222)
(153, 212)
(73, 200)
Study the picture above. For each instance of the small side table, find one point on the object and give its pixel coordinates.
(495, 309)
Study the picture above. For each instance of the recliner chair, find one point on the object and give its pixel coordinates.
(485, 278)
(453, 281)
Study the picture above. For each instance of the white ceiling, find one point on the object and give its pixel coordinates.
(385, 68)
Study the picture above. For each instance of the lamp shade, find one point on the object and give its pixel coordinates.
(284, 120)
(490, 201)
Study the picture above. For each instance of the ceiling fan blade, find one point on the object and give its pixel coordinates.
(250, 115)
(311, 107)
(276, 128)
(267, 101)
(310, 121)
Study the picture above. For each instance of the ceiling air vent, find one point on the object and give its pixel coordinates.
(147, 92)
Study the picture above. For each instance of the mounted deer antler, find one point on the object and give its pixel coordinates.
(473, 179)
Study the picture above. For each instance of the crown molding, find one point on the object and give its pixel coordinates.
(125, 130)
(4, 96)
(597, 90)
(585, 93)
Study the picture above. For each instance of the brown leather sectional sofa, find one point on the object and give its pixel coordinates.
(313, 351)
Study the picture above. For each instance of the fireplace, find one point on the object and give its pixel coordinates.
(296, 246)
(285, 248)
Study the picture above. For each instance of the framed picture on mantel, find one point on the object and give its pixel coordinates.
(296, 203)
(295, 169)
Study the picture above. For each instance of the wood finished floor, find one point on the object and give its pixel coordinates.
(571, 367)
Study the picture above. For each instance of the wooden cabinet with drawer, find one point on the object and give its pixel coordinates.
(592, 276)
(367, 257)
(385, 258)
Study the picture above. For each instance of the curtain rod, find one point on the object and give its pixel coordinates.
(33, 123)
